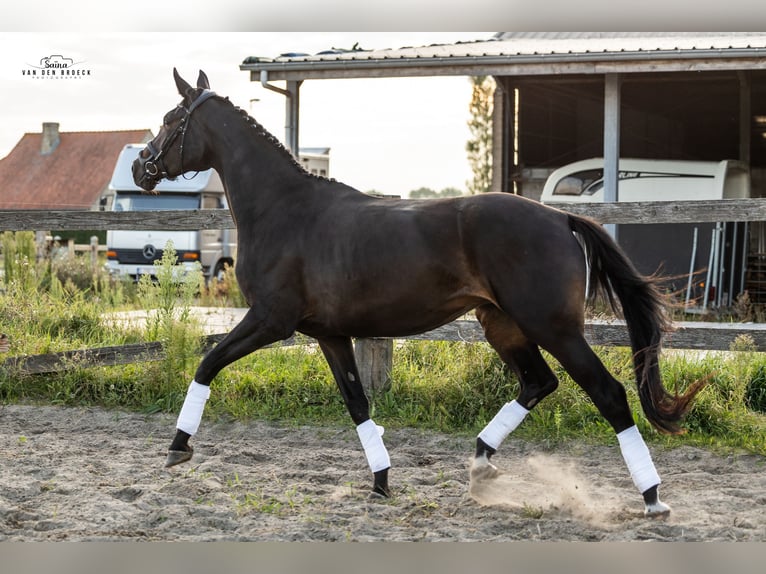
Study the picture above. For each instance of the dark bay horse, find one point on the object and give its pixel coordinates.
(319, 257)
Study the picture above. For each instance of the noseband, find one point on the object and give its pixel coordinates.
(154, 167)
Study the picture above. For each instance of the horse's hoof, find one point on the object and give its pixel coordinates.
(378, 495)
(657, 510)
(380, 484)
(178, 456)
(482, 469)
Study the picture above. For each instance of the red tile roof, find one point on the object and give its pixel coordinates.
(72, 176)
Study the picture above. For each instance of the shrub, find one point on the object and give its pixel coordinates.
(78, 273)
(755, 393)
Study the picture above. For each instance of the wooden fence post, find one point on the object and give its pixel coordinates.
(93, 250)
(375, 359)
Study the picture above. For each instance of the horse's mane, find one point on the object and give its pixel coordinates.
(261, 131)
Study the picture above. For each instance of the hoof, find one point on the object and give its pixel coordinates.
(657, 510)
(377, 496)
(178, 456)
(653, 507)
(378, 492)
(482, 469)
(380, 485)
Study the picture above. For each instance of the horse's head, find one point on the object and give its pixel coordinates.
(172, 153)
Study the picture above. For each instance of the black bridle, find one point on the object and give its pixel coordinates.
(154, 167)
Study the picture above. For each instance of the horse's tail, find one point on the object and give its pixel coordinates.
(643, 308)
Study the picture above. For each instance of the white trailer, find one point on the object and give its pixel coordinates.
(649, 180)
(705, 263)
(132, 253)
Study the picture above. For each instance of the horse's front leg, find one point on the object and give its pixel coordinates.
(250, 334)
(339, 352)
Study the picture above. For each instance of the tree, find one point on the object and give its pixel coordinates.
(427, 192)
(422, 193)
(450, 192)
(479, 147)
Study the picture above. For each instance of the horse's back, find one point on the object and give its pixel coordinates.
(471, 234)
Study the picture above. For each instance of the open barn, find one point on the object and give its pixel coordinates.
(563, 97)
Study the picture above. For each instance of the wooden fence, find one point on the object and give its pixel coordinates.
(375, 355)
(180, 220)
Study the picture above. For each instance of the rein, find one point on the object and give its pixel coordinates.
(154, 165)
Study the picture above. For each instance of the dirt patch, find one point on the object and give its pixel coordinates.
(93, 474)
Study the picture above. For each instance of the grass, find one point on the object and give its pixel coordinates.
(258, 501)
(443, 386)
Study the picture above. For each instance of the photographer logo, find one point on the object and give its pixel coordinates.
(56, 66)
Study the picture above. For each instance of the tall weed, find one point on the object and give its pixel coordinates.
(20, 273)
(167, 300)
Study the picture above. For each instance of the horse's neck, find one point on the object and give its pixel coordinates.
(255, 168)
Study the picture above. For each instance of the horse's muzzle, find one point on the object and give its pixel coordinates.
(146, 174)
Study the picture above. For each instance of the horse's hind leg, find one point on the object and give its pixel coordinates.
(609, 396)
(339, 353)
(250, 334)
(535, 377)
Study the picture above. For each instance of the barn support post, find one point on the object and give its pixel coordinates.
(374, 359)
(745, 111)
(611, 141)
(292, 109)
(292, 113)
(500, 129)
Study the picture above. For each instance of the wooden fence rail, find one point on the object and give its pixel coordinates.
(375, 356)
(708, 211)
(695, 335)
(171, 220)
(180, 220)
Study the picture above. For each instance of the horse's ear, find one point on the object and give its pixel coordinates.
(202, 81)
(182, 85)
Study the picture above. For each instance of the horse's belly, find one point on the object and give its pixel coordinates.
(396, 319)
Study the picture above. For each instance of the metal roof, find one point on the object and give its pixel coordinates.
(530, 53)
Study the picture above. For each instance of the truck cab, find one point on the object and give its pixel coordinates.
(132, 253)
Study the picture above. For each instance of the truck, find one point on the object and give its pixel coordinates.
(132, 253)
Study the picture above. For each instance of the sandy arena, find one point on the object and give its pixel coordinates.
(80, 474)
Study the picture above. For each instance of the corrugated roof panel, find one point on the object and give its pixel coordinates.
(550, 43)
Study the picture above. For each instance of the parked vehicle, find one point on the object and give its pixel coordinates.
(705, 263)
(133, 253)
(649, 180)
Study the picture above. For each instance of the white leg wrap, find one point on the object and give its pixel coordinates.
(505, 421)
(370, 436)
(194, 404)
(638, 459)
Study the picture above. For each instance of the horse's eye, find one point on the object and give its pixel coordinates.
(170, 116)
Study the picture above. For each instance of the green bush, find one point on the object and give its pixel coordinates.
(755, 393)
(78, 273)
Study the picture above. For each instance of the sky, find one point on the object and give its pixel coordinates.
(391, 135)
